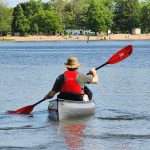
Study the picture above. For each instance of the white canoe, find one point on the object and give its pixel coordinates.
(67, 109)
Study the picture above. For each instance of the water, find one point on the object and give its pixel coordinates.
(122, 119)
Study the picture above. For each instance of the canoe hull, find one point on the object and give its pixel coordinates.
(67, 109)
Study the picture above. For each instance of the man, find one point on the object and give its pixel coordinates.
(70, 85)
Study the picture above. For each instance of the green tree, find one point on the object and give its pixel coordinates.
(59, 7)
(69, 17)
(145, 17)
(35, 17)
(48, 22)
(34, 29)
(5, 19)
(100, 16)
(30, 9)
(72, 13)
(79, 9)
(126, 15)
(20, 22)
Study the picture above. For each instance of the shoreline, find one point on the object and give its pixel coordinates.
(77, 37)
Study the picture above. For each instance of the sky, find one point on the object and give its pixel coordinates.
(13, 3)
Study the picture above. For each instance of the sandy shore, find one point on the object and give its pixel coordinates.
(59, 38)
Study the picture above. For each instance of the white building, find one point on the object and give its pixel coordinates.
(136, 31)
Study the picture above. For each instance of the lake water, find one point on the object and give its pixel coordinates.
(122, 118)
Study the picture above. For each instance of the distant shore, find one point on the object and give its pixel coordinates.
(79, 37)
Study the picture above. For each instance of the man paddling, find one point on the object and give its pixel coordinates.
(70, 84)
(117, 57)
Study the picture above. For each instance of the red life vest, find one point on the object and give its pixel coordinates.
(70, 85)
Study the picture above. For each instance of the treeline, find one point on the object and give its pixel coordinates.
(5, 19)
(38, 18)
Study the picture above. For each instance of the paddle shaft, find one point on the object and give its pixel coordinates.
(39, 102)
(100, 67)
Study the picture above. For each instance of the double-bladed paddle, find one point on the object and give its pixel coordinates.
(117, 57)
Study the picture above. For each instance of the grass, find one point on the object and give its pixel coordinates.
(3, 39)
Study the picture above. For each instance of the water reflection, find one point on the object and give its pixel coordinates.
(72, 133)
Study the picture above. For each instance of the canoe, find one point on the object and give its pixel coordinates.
(60, 109)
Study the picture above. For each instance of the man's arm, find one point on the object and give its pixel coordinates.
(56, 87)
(50, 95)
(94, 75)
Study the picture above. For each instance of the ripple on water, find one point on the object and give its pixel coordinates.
(125, 117)
(118, 136)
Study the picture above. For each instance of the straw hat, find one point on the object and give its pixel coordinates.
(72, 62)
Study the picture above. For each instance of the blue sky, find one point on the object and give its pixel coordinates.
(13, 3)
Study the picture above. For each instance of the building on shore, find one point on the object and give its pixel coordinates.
(136, 31)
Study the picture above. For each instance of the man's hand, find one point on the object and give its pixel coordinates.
(92, 71)
(95, 76)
